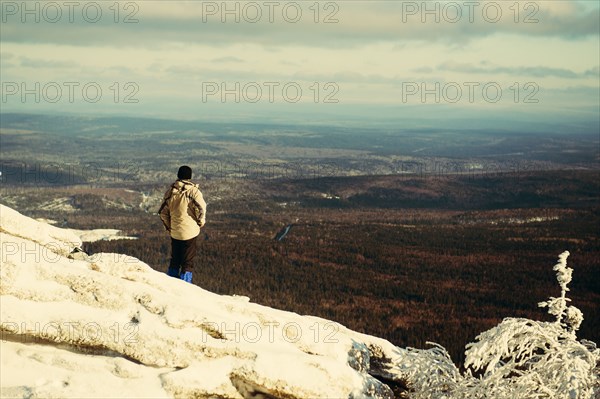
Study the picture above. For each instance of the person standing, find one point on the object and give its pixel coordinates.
(183, 213)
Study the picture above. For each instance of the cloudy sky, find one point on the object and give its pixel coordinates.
(331, 61)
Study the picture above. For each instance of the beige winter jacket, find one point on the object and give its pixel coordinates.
(183, 211)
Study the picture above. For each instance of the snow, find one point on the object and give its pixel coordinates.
(47, 221)
(92, 235)
(51, 238)
(536, 219)
(43, 370)
(101, 235)
(64, 204)
(110, 326)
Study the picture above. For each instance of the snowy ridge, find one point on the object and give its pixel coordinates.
(110, 326)
(53, 239)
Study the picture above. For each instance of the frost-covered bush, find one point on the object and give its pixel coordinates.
(518, 359)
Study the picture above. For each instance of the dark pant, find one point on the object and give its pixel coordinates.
(182, 256)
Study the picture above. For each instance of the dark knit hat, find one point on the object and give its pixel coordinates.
(184, 173)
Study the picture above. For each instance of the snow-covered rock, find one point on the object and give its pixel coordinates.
(51, 238)
(110, 326)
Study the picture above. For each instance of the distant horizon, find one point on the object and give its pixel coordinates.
(344, 63)
(495, 123)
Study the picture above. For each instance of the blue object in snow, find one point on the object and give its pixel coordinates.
(187, 276)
